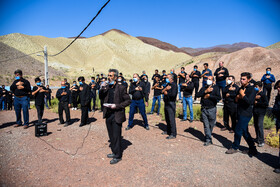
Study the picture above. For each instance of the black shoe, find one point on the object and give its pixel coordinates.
(128, 128)
(253, 152)
(112, 155)
(170, 137)
(183, 119)
(81, 125)
(150, 113)
(164, 133)
(147, 128)
(277, 170)
(207, 143)
(191, 120)
(66, 124)
(115, 160)
(60, 123)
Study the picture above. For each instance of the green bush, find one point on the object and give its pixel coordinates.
(54, 106)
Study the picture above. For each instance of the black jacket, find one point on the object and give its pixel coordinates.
(225, 74)
(84, 95)
(261, 105)
(188, 90)
(136, 94)
(210, 102)
(64, 98)
(121, 99)
(232, 94)
(172, 93)
(245, 104)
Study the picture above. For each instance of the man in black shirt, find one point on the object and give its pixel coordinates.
(170, 94)
(157, 87)
(147, 89)
(259, 111)
(75, 93)
(10, 101)
(93, 87)
(116, 99)
(143, 74)
(101, 98)
(172, 71)
(187, 88)
(3, 98)
(48, 97)
(137, 90)
(67, 84)
(84, 98)
(245, 101)
(221, 74)
(39, 94)
(210, 95)
(230, 107)
(63, 94)
(195, 75)
(155, 75)
(21, 89)
(182, 78)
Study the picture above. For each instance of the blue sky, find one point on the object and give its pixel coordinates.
(184, 23)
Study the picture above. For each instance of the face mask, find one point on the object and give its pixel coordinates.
(107, 82)
(112, 82)
(38, 84)
(145, 80)
(167, 80)
(171, 72)
(257, 89)
(97, 76)
(135, 79)
(267, 72)
(74, 84)
(229, 81)
(17, 77)
(209, 82)
(182, 71)
(119, 80)
(194, 69)
(63, 87)
(81, 83)
(164, 74)
(92, 80)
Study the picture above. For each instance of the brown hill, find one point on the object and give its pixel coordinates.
(162, 45)
(29, 65)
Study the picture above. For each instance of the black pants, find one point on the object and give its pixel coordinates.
(75, 100)
(10, 105)
(63, 106)
(267, 91)
(196, 87)
(40, 112)
(170, 111)
(230, 110)
(84, 117)
(101, 103)
(49, 100)
(258, 123)
(115, 132)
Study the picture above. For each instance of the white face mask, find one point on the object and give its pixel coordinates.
(209, 82)
(119, 80)
(229, 81)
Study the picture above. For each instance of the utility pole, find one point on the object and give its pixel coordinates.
(46, 66)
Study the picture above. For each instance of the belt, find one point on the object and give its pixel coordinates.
(203, 107)
(21, 96)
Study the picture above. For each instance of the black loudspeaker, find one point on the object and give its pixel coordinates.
(41, 129)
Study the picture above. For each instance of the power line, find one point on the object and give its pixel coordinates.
(21, 56)
(83, 30)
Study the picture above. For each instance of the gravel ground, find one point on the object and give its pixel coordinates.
(62, 159)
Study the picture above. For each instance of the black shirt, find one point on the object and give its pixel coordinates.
(154, 77)
(157, 92)
(276, 107)
(232, 93)
(93, 87)
(172, 93)
(215, 96)
(136, 94)
(175, 77)
(225, 74)
(188, 90)
(39, 96)
(3, 92)
(181, 78)
(67, 85)
(245, 105)
(64, 98)
(261, 105)
(21, 92)
(48, 94)
(75, 90)
(195, 79)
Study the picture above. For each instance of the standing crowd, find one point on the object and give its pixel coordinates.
(242, 100)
